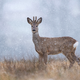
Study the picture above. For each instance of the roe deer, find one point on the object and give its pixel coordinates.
(50, 46)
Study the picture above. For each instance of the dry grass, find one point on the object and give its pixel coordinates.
(30, 70)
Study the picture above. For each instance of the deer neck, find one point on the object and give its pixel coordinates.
(36, 38)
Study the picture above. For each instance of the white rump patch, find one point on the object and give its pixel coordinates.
(75, 44)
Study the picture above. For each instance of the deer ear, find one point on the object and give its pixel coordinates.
(39, 20)
(29, 20)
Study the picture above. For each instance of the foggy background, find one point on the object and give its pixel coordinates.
(60, 18)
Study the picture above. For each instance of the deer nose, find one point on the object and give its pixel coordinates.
(33, 29)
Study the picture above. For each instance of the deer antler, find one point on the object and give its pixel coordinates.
(35, 19)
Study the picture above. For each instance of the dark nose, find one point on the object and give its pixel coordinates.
(34, 30)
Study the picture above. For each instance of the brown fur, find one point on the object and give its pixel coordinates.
(50, 46)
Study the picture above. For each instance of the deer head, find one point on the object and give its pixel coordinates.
(34, 23)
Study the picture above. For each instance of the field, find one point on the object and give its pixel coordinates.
(56, 69)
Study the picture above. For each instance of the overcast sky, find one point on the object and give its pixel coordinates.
(60, 18)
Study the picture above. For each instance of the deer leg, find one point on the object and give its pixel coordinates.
(71, 60)
(75, 58)
(45, 58)
(40, 59)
